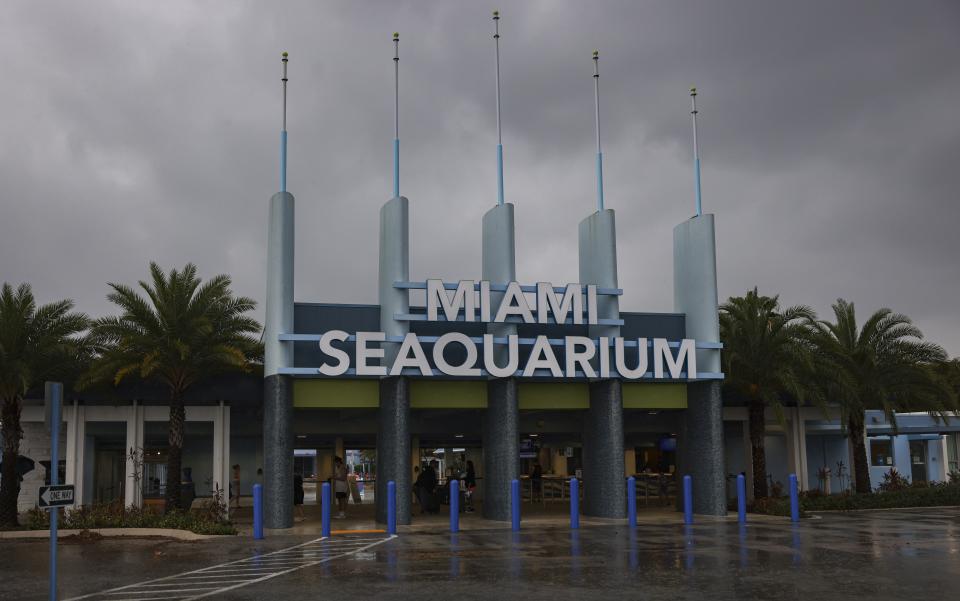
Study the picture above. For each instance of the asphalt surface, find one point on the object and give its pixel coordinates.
(876, 555)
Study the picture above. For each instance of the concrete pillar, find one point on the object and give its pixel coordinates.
(76, 450)
(943, 470)
(132, 490)
(501, 447)
(221, 450)
(695, 295)
(501, 437)
(604, 487)
(278, 436)
(393, 448)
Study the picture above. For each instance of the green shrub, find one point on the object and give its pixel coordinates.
(928, 495)
(893, 481)
(208, 520)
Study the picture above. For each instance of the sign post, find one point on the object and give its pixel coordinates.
(54, 496)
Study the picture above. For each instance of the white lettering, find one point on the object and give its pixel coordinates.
(542, 357)
(513, 356)
(364, 352)
(547, 301)
(687, 352)
(604, 357)
(419, 359)
(507, 307)
(582, 358)
(463, 298)
(592, 304)
(341, 356)
(622, 369)
(465, 368)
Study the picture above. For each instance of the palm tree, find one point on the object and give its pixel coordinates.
(36, 343)
(885, 365)
(182, 332)
(766, 355)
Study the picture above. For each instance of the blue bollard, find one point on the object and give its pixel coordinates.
(515, 505)
(574, 503)
(741, 499)
(391, 507)
(258, 511)
(632, 502)
(454, 506)
(794, 499)
(325, 510)
(687, 499)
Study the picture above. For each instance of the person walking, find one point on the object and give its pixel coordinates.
(298, 494)
(470, 482)
(340, 486)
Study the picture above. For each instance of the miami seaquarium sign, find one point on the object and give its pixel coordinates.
(506, 356)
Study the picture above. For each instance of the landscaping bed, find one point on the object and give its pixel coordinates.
(917, 495)
(206, 520)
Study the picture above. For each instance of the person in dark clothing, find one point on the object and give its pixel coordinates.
(426, 488)
(536, 481)
(298, 494)
(470, 482)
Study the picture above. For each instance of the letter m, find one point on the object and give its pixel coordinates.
(463, 298)
(687, 353)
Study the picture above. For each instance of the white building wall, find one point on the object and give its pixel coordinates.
(36, 445)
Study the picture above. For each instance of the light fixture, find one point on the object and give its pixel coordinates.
(458, 435)
(534, 435)
(301, 435)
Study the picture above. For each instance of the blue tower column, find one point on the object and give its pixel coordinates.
(604, 493)
(278, 436)
(701, 428)
(501, 423)
(393, 434)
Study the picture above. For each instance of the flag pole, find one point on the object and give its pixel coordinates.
(496, 41)
(596, 98)
(696, 148)
(283, 129)
(396, 114)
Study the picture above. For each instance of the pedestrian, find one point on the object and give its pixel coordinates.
(470, 481)
(354, 487)
(298, 494)
(340, 486)
(236, 485)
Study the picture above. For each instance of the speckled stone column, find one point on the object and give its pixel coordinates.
(277, 452)
(701, 446)
(695, 295)
(393, 447)
(501, 447)
(604, 487)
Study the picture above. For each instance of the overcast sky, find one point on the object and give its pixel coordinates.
(830, 139)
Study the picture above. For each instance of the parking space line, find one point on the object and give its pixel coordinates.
(220, 578)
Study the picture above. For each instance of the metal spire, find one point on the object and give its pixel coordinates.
(496, 41)
(596, 97)
(396, 114)
(696, 147)
(283, 129)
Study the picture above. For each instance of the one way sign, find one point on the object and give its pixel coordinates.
(56, 496)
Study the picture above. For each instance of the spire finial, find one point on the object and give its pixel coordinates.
(496, 41)
(596, 98)
(696, 148)
(396, 114)
(284, 58)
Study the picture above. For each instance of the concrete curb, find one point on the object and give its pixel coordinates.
(114, 532)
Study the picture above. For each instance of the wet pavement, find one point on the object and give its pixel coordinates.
(875, 555)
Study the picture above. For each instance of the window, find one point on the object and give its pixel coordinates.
(881, 452)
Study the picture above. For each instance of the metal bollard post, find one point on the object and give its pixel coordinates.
(325, 510)
(454, 506)
(687, 499)
(794, 499)
(574, 503)
(258, 511)
(632, 501)
(391, 507)
(741, 499)
(515, 505)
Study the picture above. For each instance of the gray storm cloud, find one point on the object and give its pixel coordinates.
(149, 131)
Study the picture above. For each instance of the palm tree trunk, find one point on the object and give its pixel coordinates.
(757, 449)
(175, 450)
(861, 471)
(10, 483)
